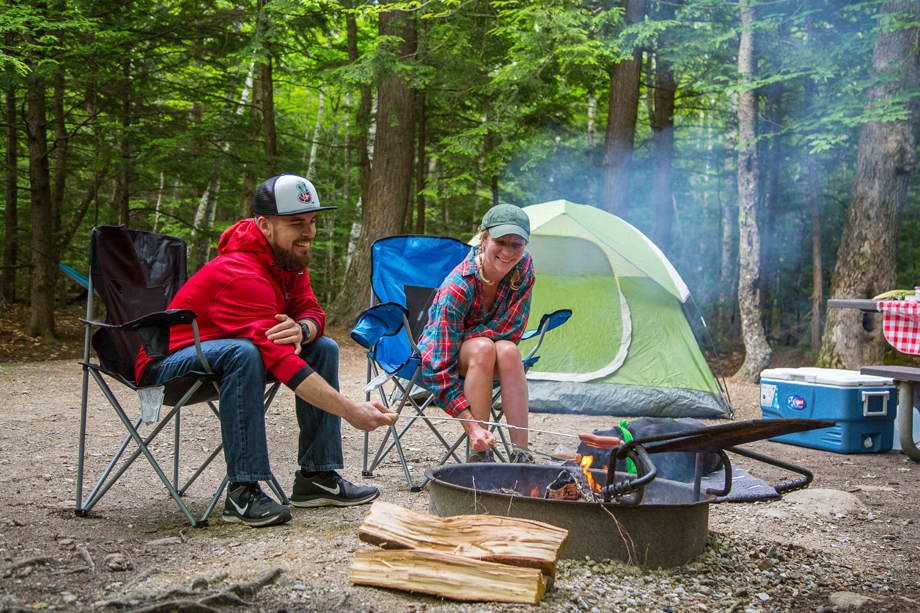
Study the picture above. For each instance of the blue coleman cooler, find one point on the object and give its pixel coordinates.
(863, 406)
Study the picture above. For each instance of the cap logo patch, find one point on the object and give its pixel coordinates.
(304, 193)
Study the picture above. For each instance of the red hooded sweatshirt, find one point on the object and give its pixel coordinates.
(238, 294)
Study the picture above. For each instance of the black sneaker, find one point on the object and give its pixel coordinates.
(329, 489)
(248, 505)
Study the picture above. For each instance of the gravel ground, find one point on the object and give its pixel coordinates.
(852, 544)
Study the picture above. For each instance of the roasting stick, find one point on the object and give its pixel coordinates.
(492, 423)
(592, 440)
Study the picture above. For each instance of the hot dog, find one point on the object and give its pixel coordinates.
(600, 442)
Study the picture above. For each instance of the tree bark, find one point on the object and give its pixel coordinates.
(885, 157)
(311, 168)
(811, 169)
(757, 351)
(662, 123)
(390, 178)
(122, 180)
(41, 316)
(269, 132)
(11, 215)
(421, 167)
(768, 224)
(622, 113)
(363, 115)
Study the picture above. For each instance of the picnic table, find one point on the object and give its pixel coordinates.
(902, 330)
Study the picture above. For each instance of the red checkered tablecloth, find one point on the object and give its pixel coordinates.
(902, 324)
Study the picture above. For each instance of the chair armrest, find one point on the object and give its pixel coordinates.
(153, 329)
(548, 322)
(385, 319)
(551, 321)
(172, 317)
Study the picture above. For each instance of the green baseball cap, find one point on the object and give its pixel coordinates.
(504, 219)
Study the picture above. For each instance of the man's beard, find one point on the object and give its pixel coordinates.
(289, 259)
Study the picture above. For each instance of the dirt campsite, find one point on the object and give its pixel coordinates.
(850, 542)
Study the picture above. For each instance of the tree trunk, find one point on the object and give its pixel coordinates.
(757, 351)
(270, 136)
(817, 274)
(269, 133)
(11, 215)
(885, 157)
(727, 294)
(390, 178)
(363, 115)
(200, 234)
(311, 168)
(41, 316)
(770, 202)
(622, 112)
(61, 146)
(122, 185)
(592, 113)
(662, 123)
(420, 168)
(156, 208)
(811, 168)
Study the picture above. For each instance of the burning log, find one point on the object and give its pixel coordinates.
(506, 540)
(451, 576)
(563, 488)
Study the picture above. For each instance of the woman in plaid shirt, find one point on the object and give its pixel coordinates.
(474, 326)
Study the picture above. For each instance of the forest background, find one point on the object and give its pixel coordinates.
(767, 148)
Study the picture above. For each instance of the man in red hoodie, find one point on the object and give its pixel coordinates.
(257, 313)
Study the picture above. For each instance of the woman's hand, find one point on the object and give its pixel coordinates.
(480, 438)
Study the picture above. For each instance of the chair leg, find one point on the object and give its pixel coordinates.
(99, 490)
(213, 503)
(140, 443)
(78, 507)
(176, 453)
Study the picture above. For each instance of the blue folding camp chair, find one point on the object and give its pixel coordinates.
(406, 272)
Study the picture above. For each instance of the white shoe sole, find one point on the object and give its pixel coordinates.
(330, 502)
(271, 521)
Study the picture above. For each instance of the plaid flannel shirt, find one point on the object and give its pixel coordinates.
(456, 316)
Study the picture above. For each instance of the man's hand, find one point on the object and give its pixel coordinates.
(287, 332)
(369, 416)
(480, 438)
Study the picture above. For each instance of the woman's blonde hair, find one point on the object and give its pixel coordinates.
(515, 272)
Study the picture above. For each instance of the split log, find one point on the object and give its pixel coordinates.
(506, 540)
(449, 576)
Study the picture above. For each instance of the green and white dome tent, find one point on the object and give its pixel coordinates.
(629, 348)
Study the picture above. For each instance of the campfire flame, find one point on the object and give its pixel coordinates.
(586, 462)
(535, 491)
(585, 465)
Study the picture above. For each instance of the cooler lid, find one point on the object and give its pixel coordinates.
(826, 376)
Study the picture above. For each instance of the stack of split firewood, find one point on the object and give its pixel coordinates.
(466, 557)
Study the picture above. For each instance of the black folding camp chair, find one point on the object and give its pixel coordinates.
(406, 272)
(137, 274)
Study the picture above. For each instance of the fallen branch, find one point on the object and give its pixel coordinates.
(253, 588)
(72, 571)
(88, 558)
(26, 562)
(140, 577)
(178, 606)
(224, 599)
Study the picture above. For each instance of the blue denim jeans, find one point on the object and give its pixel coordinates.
(239, 365)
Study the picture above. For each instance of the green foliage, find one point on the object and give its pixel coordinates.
(170, 91)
